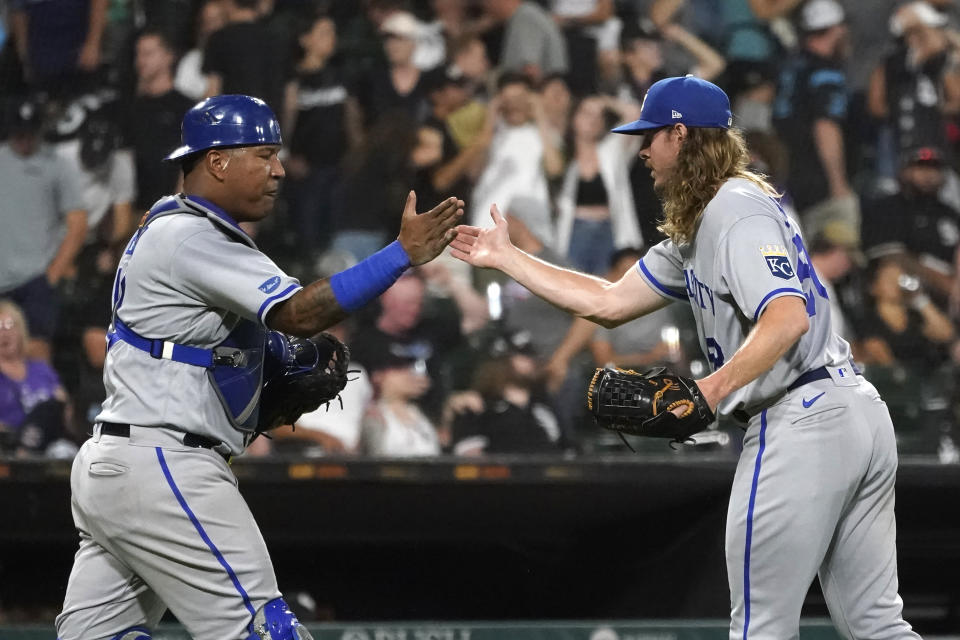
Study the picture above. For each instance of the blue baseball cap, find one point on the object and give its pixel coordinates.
(682, 100)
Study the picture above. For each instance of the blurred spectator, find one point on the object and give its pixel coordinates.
(747, 36)
(190, 79)
(914, 88)
(752, 92)
(521, 156)
(546, 327)
(868, 23)
(376, 175)
(400, 84)
(809, 114)
(32, 400)
(592, 33)
(532, 43)
(448, 21)
(152, 119)
(394, 425)
(108, 180)
(521, 310)
(914, 226)
(514, 418)
(556, 100)
(644, 62)
(58, 41)
(595, 209)
(403, 329)
(833, 253)
(902, 325)
(44, 224)
(246, 56)
(323, 123)
(469, 59)
(91, 305)
(453, 141)
(653, 339)
(446, 285)
(768, 156)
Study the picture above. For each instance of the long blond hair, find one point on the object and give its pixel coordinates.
(708, 157)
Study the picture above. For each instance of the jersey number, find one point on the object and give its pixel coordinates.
(806, 271)
(714, 354)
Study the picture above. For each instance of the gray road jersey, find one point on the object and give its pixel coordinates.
(188, 279)
(746, 252)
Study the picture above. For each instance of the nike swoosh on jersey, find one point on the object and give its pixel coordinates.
(809, 403)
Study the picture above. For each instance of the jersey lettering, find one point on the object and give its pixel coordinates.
(697, 289)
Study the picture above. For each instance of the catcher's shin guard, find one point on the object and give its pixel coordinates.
(275, 621)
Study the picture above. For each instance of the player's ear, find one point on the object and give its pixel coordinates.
(681, 131)
(216, 162)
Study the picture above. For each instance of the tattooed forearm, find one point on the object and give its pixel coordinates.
(311, 310)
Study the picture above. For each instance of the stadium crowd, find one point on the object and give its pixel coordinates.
(851, 107)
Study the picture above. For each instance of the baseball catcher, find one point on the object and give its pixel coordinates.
(656, 404)
(300, 374)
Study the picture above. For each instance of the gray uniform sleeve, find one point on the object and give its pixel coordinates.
(230, 275)
(756, 261)
(662, 268)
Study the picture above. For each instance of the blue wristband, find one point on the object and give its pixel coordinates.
(364, 281)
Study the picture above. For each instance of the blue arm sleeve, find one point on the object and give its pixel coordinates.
(361, 283)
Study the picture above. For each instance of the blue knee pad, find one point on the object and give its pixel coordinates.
(275, 621)
(133, 633)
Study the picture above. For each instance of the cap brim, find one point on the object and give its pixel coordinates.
(637, 127)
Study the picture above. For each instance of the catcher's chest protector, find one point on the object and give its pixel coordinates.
(235, 366)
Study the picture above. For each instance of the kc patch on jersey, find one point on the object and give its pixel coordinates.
(270, 285)
(778, 260)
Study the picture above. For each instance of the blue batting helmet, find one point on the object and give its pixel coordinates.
(226, 121)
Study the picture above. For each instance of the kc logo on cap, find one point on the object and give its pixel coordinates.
(686, 100)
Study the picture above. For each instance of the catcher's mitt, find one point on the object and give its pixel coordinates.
(643, 404)
(300, 374)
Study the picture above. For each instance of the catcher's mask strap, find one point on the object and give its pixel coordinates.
(160, 348)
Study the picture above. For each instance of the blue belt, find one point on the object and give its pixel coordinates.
(160, 348)
(822, 373)
(817, 374)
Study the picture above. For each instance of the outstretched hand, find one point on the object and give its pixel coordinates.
(483, 247)
(424, 236)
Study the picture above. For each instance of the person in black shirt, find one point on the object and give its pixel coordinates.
(58, 42)
(917, 84)
(152, 119)
(512, 417)
(400, 85)
(914, 226)
(324, 121)
(442, 165)
(901, 326)
(809, 113)
(247, 57)
(408, 326)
